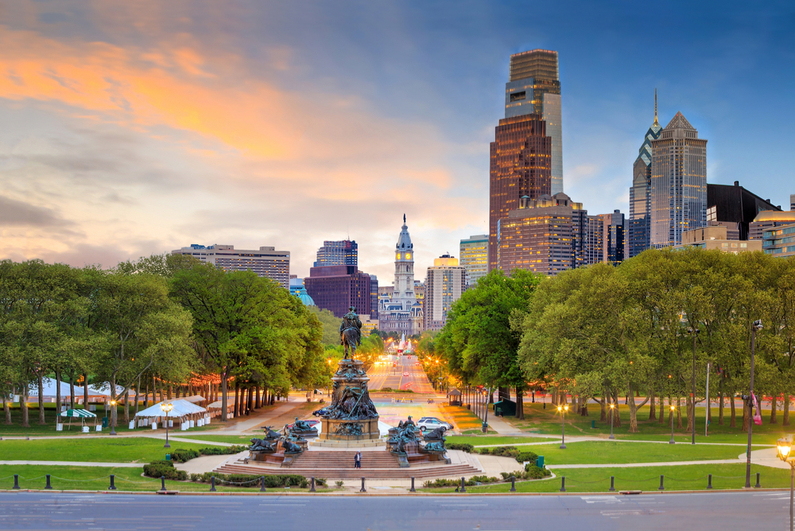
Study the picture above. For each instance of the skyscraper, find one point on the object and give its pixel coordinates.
(544, 235)
(534, 88)
(639, 214)
(678, 195)
(520, 166)
(474, 252)
(336, 288)
(444, 284)
(345, 252)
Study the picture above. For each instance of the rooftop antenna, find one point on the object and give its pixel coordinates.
(655, 107)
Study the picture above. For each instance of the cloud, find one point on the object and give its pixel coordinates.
(14, 213)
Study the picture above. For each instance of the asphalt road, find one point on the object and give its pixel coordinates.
(757, 511)
(407, 375)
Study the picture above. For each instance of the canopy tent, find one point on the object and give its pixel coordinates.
(215, 407)
(99, 392)
(82, 414)
(182, 412)
(194, 399)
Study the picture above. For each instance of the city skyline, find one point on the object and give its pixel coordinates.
(134, 128)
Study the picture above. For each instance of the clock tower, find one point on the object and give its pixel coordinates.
(404, 269)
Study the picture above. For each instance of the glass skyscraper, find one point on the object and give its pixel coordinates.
(678, 193)
(639, 222)
(534, 88)
(335, 253)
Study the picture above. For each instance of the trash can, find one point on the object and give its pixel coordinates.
(104, 422)
(593, 424)
(540, 461)
(168, 457)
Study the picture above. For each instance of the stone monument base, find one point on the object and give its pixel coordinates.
(349, 430)
(364, 443)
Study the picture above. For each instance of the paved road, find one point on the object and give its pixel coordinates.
(407, 375)
(760, 511)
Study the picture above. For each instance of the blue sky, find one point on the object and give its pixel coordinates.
(134, 128)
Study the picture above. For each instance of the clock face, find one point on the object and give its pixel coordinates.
(408, 256)
(397, 256)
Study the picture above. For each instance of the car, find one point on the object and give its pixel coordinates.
(431, 423)
(320, 412)
(405, 374)
(311, 422)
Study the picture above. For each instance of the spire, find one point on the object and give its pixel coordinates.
(404, 219)
(655, 107)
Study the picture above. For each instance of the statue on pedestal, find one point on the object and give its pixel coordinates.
(350, 332)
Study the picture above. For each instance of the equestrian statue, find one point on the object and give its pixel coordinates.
(350, 332)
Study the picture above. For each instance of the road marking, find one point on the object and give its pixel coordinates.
(600, 499)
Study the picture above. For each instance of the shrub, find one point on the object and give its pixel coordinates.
(339, 483)
(531, 471)
(321, 482)
(505, 451)
(181, 456)
(250, 480)
(156, 469)
(223, 450)
(468, 448)
(527, 456)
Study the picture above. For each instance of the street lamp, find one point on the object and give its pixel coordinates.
(113, 418)
(612, 409)
(694, 333)
(756, 326)
(166, 407)
(673, 408)
(562, 410)
(784, 447)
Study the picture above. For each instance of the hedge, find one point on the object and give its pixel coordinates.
(468, 448)
(250, 480)
(166, 469)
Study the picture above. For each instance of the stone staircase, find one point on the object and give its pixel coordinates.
(339, 465)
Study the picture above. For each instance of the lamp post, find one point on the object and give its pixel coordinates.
(166, 407)
(673, 408)
(612, 409)
(113, 418)
(756, 326)
(694, 332)
(562, 410)
(784, 447)
(485, 427)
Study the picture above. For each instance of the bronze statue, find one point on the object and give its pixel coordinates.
(350, 332)
(270, 434)
(435, 435)
(259, 445)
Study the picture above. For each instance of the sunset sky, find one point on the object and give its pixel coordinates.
(134, 128)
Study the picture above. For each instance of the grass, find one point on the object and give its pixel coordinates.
(463, 418)
(234, 439)
(611, 452)
(99, 450)
(691, 477)
(547, 421)
(97, 478)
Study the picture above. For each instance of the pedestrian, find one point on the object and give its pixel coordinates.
(357, 460)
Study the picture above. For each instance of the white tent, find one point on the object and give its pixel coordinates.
(193, 399)
(181, 408)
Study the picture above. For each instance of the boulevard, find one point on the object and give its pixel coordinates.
(385, 375)
(713, 511)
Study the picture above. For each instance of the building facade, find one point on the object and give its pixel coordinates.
(544, 235)
(639, 223)
(534, 88)
(474, 253)
(716, 237)
(520, 165)
(727, 204)
(401, 312)
(768, 220)
(780, 242)
(336, 288)
(334, 253)
(678, 194)
(445, 283)
(265, 262)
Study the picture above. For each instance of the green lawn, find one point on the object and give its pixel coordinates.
(691, 477)
(234, 439)
(97, 478)
(547, 421)
(102, 450)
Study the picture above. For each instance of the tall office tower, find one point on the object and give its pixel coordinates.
(374, 297)
(534, 88)
(520, 166)
(735, 208)
(678, 195)
(543, 235)
(639, 215)
(605, 241)
(474, 252)
(445, 283)
(343, 252)
(265, 262)
(792, 202)
(336, 288)
(401, 312)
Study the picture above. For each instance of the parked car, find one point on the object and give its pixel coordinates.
(320, 412)
(431, 423)
(311, 422)
(405, 374)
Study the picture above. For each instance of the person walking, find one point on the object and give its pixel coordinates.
(357, 460)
